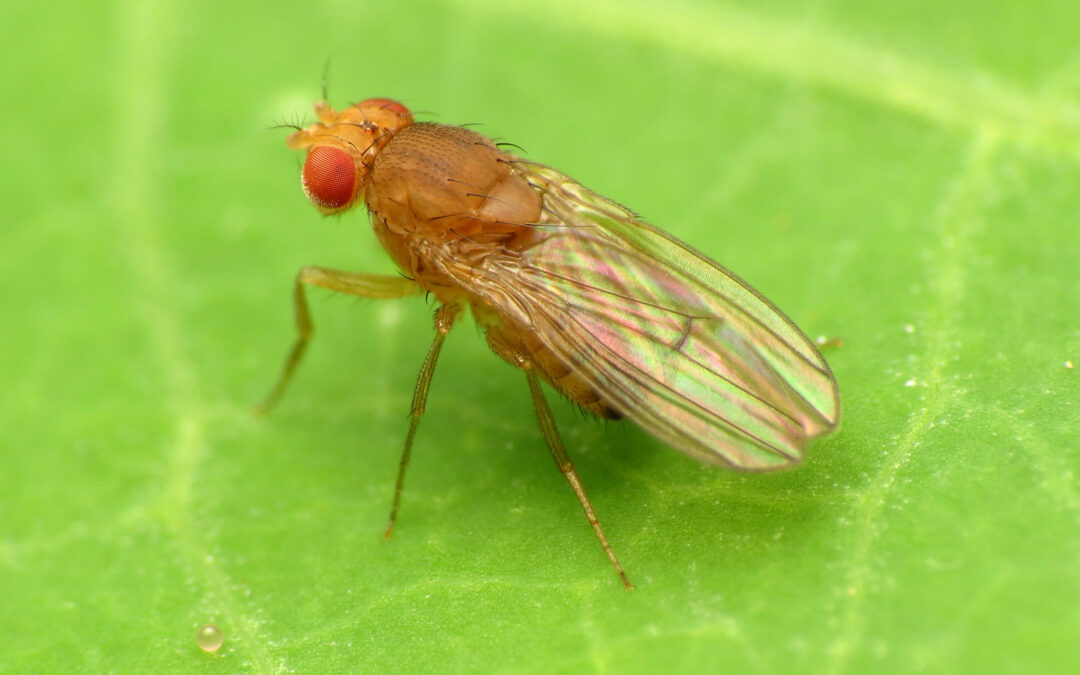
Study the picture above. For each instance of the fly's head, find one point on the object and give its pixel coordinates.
(341, 147)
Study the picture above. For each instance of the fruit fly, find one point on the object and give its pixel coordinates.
(569, 287)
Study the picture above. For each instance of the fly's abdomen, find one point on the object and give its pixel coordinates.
(514, 344)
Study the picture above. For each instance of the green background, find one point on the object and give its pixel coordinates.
(905, 177)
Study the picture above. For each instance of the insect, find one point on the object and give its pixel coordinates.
(569, 287)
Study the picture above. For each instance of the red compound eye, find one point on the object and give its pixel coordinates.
(329, 177)
(387, 104)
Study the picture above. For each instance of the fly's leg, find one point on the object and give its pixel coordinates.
(444, 321)
(372, 286)
(562, 459)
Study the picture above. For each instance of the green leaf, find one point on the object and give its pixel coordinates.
(901, 176)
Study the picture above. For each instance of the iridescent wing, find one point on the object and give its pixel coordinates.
(671, 339)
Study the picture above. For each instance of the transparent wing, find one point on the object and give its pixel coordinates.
(671, 339)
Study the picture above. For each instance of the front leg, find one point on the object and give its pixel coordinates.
(373, 286)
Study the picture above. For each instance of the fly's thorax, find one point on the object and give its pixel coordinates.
(434, 179)
(445, 191)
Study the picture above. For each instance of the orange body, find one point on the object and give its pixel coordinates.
(569, 287)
